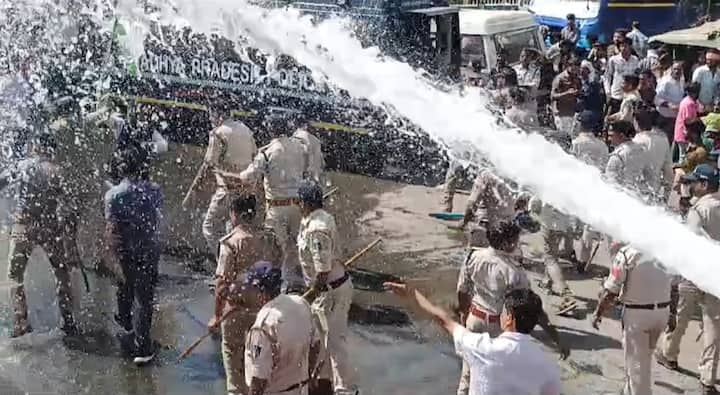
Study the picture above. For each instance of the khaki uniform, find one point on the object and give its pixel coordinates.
(316, 161)
(491, 201)
(282, 165)
(593, 152)
(557, 228)
(238, 251)
(317, 243)
(487, 274)
(452, 177)
(704, 218)
(660, 169)
(231, 148)
(41, 216)
(278, 346)
(641, 285)
(627, 166)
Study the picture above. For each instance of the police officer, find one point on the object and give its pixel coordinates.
(43, 212)
(703, 218)
(281, 165)
(231, 148)
(628, 162)
(557, 229)
(644, 289)
(487, 274)
(283, 343)
(239, 250)
(313, 146)
(326, 277)
(452, 177)
(490, 202)
(659, 172)
(589, 148)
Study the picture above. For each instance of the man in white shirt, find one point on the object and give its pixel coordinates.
(495, 362)
(618, 66)
(669, 93)
(708, 76)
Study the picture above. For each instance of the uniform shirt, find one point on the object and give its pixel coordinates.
(278, 344)
(638, 279)
(316, 162)
(627, 166)
(491, 199)
(528, 76)
(39, 188)
(669, 90)
(617, 67)
(570, 33)
(590, 149)
(550, 217)
(133, 207)
(281, 164)
(231, 148)
(240, 249)
(510, 364)
(704, 216)
(488, 275)
(659, 171)
(317, 244)
(708, 81)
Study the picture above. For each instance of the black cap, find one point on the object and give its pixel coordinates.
(311, 193)
(570, 17)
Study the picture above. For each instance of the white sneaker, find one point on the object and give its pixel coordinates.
(143, 360)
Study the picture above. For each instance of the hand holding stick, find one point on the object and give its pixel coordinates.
(227, 314)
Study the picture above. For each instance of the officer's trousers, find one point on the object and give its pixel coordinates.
(452, 177)
(690, 297)
(587, 240)
(234, 330)
(641, 331)
(553, 272)
(476, 325)
(332, 310)
(285, 223)
(216, 218)
(22, 241)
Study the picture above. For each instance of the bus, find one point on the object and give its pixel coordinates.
(602, 17)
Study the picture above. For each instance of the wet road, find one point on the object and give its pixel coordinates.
(390, 360)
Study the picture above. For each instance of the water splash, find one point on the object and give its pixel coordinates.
(529, 159)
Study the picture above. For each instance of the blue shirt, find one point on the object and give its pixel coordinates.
(133, 206)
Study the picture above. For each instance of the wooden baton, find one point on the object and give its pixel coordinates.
(225, 316)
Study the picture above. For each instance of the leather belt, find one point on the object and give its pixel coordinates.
(492, 319)
(283, 202)
(295, 386)
(340, 281)
(649, 306)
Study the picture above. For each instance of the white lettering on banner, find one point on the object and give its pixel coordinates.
(241, 73)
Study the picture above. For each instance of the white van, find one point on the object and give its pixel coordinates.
(485, 32)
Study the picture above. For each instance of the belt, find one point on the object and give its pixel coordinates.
(649, 306)
(492, 319)
(283, 202)
(296, 386)
(340, 281)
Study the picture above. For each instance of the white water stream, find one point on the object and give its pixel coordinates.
(328, 48)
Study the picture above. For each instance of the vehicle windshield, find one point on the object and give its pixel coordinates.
(512, 43)
(473, 51)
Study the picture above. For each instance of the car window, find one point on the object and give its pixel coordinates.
(473, 51)
(512, 43)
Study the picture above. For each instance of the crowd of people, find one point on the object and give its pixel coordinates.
(651, 125)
